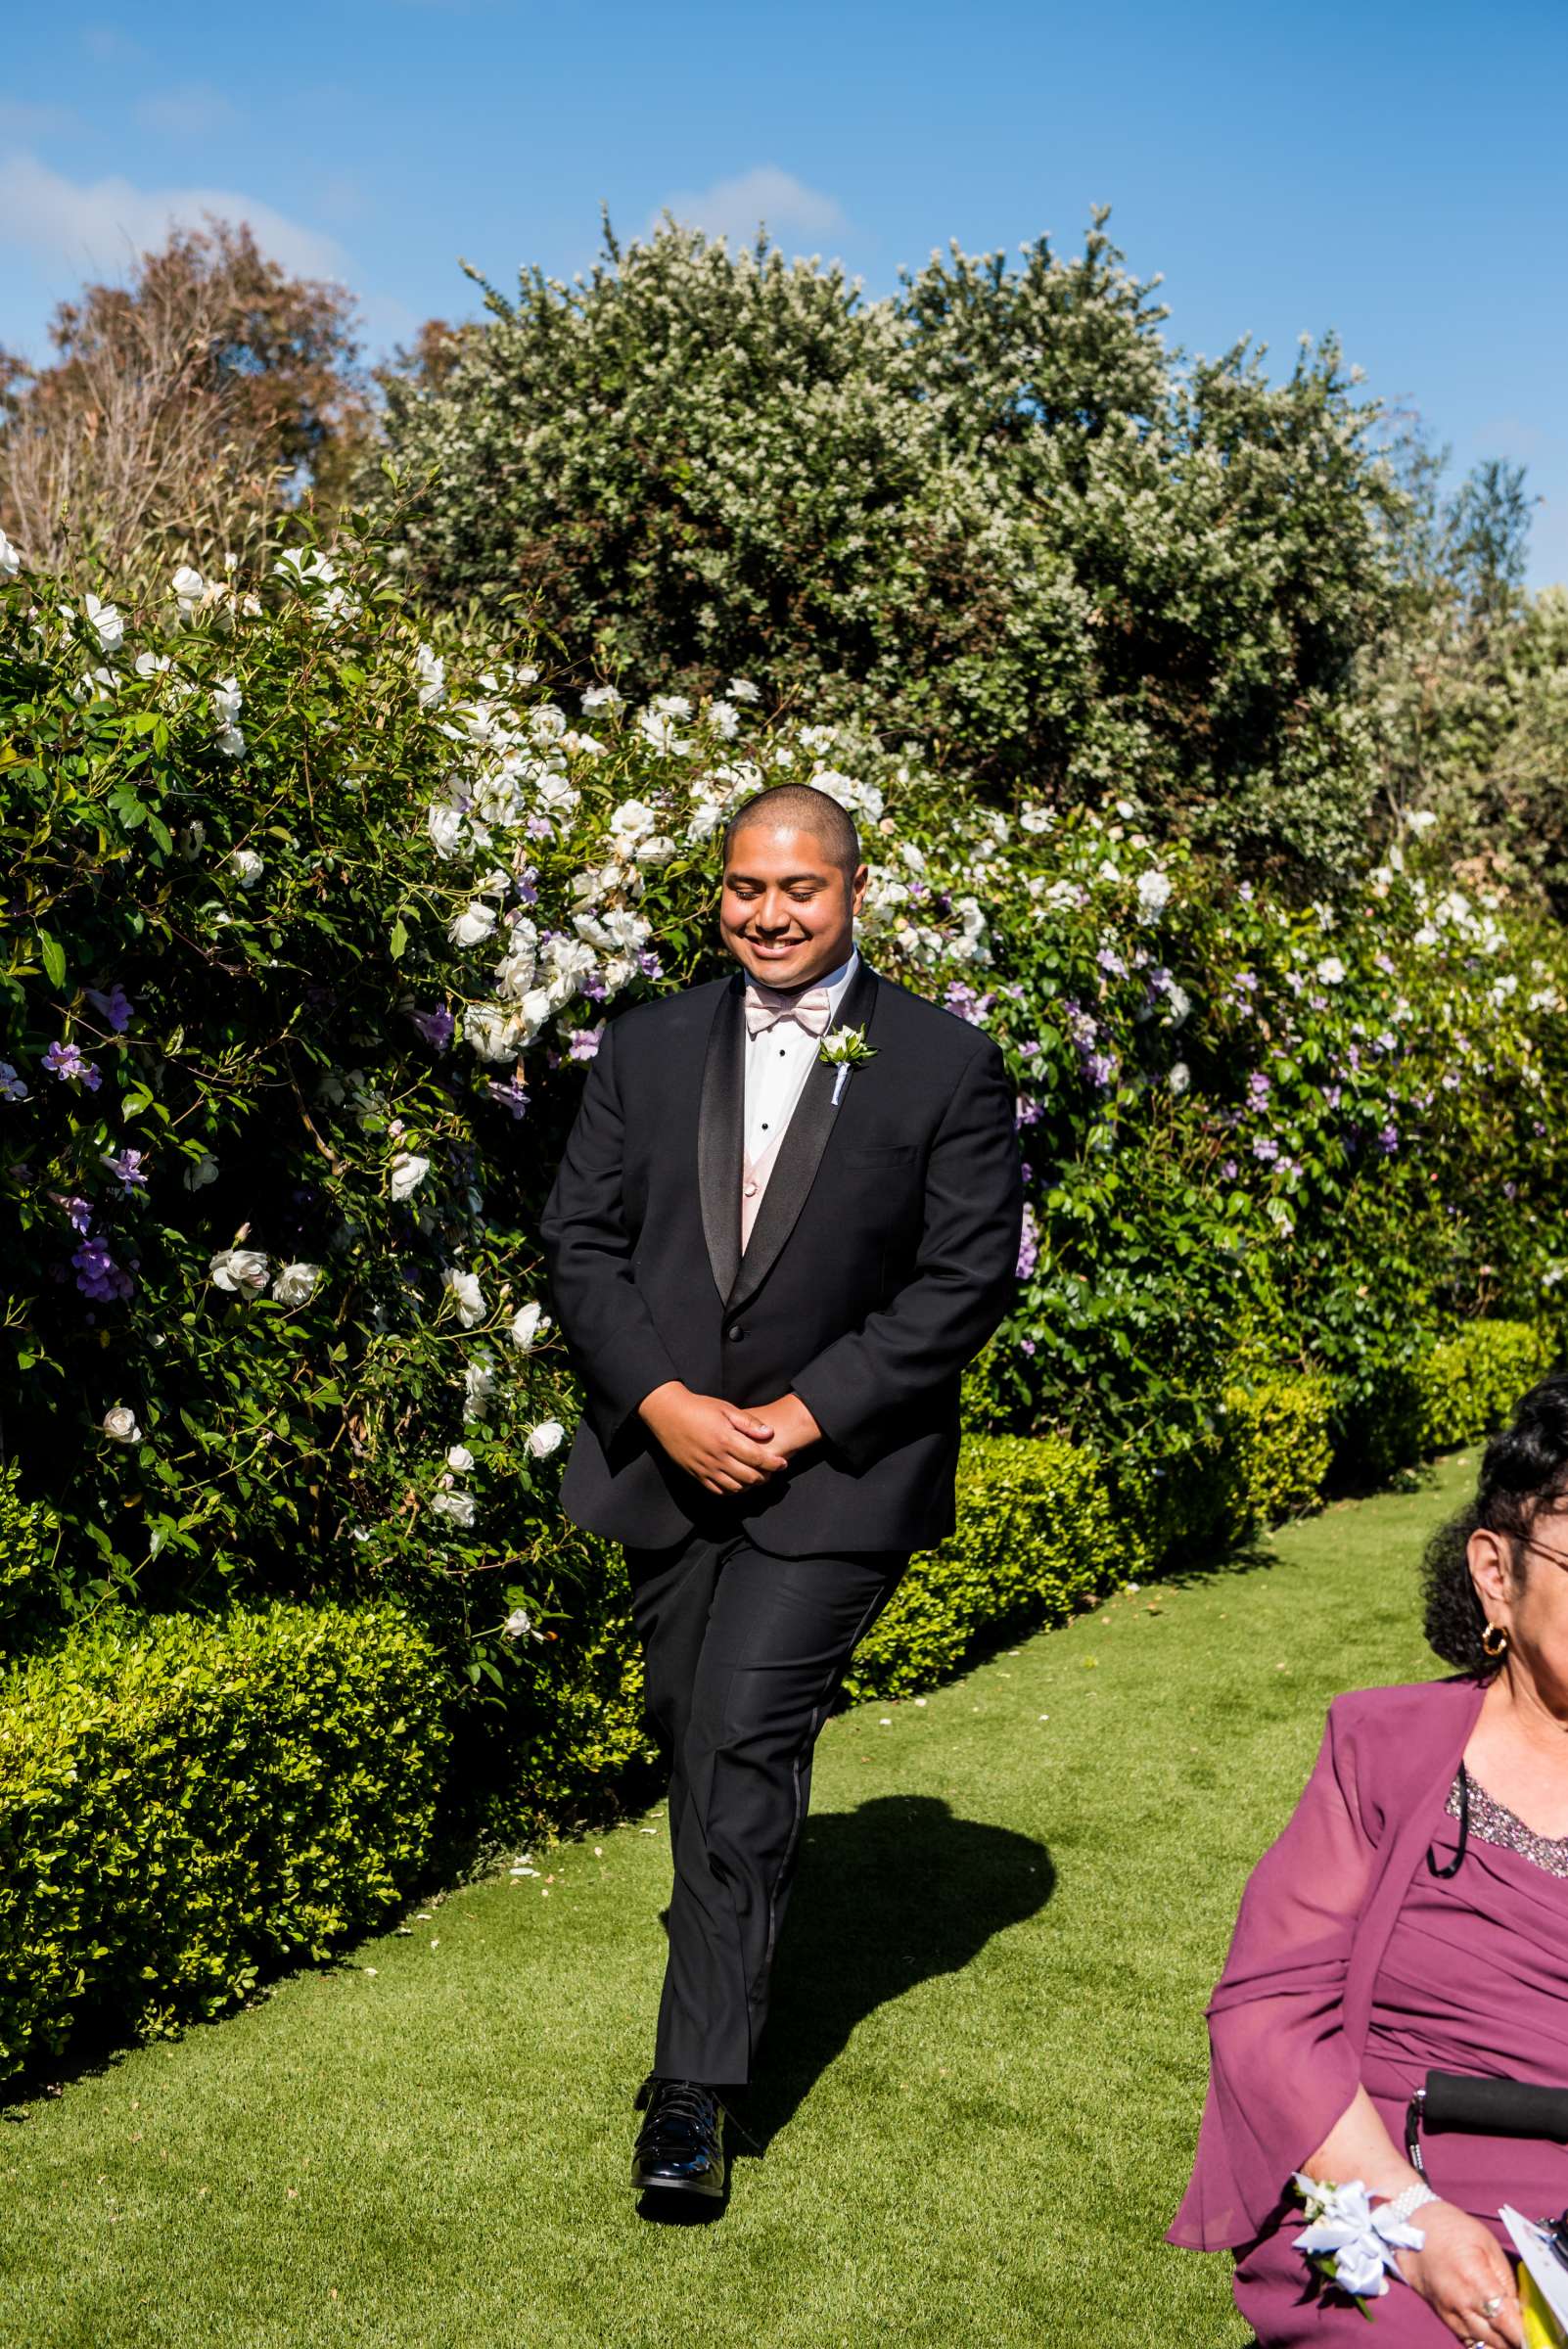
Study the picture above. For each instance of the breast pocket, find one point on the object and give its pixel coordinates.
(900, 1154)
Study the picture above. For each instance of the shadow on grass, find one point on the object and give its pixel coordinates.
(890, 1895)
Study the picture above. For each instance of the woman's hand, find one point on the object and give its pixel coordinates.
(1460, 2270)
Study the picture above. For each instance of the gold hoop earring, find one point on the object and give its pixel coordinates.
(1494, 1640)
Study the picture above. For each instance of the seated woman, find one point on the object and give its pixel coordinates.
(1414, 1915)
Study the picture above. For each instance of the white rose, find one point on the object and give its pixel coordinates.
(1331, 970)
(445, 826)
(460, 1458)
(519, 1625)
(10, 560)
(188, 587)
(473, 925)
(632, 819)
(106, 624)
(242, 1271)
(430, 669)
(247, 866)
(491, 1031)
(459, 1506)
(602, 697)
(296, 1284)
(1180, 1077)
(1420, 819)
(478, 1387)
(528, 1324)
(1154, 895)
(407, 1173)
(545, 1438)
(741, 689)
(121, 1423)
(465, 1287)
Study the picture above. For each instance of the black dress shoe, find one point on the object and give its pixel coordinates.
(680, 2145)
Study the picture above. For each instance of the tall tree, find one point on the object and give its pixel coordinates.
(180, 406)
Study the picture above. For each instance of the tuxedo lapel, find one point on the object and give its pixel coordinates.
(720, 1135)
(799, 1153)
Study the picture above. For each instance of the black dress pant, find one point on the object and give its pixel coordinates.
(745, 1653)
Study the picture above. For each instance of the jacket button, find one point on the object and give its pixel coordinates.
(735, 1332)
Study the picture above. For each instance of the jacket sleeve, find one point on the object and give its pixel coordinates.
(964, 1277)
(587, 1249)
(1283, 2071)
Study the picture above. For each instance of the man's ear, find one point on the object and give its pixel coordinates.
(857, 887)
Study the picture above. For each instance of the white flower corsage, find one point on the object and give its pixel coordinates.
(844, 1049)
(1349, 2242)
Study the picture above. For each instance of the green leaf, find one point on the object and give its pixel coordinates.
(54, 958)
(399, 939)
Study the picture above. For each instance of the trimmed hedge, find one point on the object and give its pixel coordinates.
(187, 1802)
(1036, 1541)
(1279, 1451)
(1469, 1384)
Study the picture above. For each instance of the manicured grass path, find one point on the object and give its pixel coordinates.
(986, 2065)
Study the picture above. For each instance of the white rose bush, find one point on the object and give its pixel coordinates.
(318, 917)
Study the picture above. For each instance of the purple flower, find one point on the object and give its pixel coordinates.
(127, 1168)
(436, 1027)
(65, 1060)
(1081, 1027)
(1265, 1149)
(1026, 1346)
(1029, 1110)
(526, 887)
(513, 1095)
(1111, 962)
(1259, 1089)
(649, 964)
(1229, 1171)
(586, 1043)
(78, 1210)
(594, 987)
(115, 1006)
(540, 827)
(1388, 1141)
(1332, 1095)
(1100, 1069)
(1028, 1245)
(98, 1276)
(965, 1003)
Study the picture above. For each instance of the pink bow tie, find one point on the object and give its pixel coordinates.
(766, 1006)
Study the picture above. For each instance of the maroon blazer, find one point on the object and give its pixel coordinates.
(1288, 2020)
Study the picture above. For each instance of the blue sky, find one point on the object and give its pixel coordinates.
(1397, 171)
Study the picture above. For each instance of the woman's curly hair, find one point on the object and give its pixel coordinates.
(1524, 1470)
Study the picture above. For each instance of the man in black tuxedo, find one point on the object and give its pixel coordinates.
(771, 1274)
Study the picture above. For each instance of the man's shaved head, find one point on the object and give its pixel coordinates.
(801, 807)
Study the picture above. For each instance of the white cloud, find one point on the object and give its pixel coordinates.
(733, 208)
(20, 118)
(193, 110)
(100, 223)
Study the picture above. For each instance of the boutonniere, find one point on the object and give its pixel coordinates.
(844, 1049)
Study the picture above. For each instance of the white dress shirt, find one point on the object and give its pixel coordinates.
(778, 1061)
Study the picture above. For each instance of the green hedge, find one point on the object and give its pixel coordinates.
(1279, 1452)
(187, 1802)
(1037, 1540)
(1469, 1384)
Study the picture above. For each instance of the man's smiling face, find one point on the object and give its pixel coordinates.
(788, 910)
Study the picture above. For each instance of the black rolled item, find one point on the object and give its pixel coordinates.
(1494, 2108)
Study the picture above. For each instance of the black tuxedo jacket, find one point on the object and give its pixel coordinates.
(883, 1256)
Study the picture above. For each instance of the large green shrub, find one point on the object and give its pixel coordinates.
(993, 515)
(1468, 1385)
(1037, 1540)
(188, 1804)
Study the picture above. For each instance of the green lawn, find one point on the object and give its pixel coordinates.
(986, 2065)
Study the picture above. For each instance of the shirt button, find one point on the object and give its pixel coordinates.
(735, 1332)
(751, 1189)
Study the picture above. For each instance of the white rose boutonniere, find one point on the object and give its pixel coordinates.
(844, 1049)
